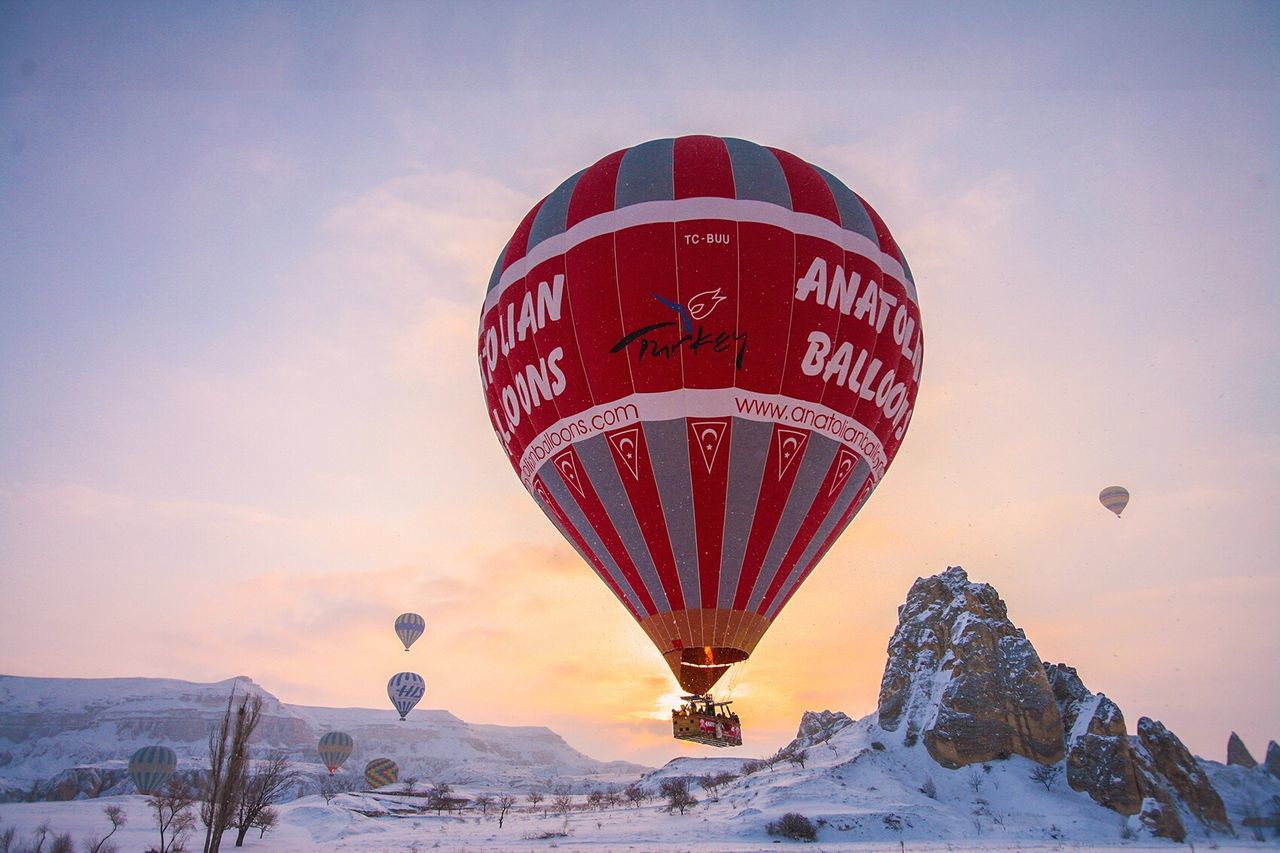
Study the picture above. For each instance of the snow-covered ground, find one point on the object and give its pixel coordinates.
(863, 790)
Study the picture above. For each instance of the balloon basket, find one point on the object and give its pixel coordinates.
(702, 720)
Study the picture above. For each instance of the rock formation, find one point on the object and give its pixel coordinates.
(1238, 753)
(819, 726)
(1272, 762)
(965, 679)
(1166, 769)
(1099, 761)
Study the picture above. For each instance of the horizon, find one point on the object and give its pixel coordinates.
(242, 425)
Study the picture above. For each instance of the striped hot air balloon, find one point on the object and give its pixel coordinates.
(409, 627)
(405, 689)
(1114, 498)
(150, 767)
(335, 748)
(700, 356)
(381, 771)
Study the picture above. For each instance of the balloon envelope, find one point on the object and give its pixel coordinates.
(409, 627)
(150, 767)
(1114, 498)
(404, 690)
(381, 771)
(335, 748)
(700, 356)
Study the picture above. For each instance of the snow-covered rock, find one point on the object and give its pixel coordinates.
(1099, 761)
(965, 679)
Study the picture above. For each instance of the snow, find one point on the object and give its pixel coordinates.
(858, 788)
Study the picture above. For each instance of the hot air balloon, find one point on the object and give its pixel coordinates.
(700, 356)
(335, 748)
(381, 771)
(1114, 498)
(150, 767)
(409, 627)
(405, 689)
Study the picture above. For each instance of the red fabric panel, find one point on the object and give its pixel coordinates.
(594, 192)
(702, 168)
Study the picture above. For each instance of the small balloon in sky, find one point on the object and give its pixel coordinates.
(1114, 498)
(381, 771)
(409, 627)
(335, 748)
(150, 767)
(405, 689)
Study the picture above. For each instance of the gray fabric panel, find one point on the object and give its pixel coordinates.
(647, 173)
(497, 268)
(748, 452)
(847, 493)
(906, 269)
(564, 496)
(597, 460)
(853, 216)
(553, 214)
(757, 175)
(669, 452)
(818, 453)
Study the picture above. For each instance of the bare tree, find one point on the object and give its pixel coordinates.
(505, 803)
(562, 801)
(535, 797)
(228, 767)
(635, 794)
(340, 783)
(484, 801)
(264, 785)
(438, 797)
(677, 793)
(1046, 774)
(798, 757)
(595, 800)
(118, 818)
(410, 782)
(174, 815)
(266, 819)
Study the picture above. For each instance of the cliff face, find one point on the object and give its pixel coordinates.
(962, 678)
(1099, 761)
(965, 679)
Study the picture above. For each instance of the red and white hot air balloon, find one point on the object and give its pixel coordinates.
(701, 355)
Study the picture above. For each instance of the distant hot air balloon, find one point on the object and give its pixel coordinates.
(150, 767)
(405, 689)
(701, 355)
(381, 771)
(409, 627)
(1114, 498)
(335, 748)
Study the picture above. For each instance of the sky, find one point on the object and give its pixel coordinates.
(245, 247)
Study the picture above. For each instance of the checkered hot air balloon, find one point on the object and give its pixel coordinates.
(381, 771)
(335, 748)
(409, 627)
(701, 355)
(150, 767)
(405, 689)
(1114, 498)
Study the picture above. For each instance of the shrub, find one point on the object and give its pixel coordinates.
(793, 825)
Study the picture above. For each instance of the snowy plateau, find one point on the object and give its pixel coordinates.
(862, 787)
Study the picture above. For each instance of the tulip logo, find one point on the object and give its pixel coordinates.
(700, 305)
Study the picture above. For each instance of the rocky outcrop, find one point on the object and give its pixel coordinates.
(965, 679)
(79, 783)
(1166, 769)
(1272, 762)
(819, 726)
(1238, 753)
(1099, 761)
(1159, 816)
